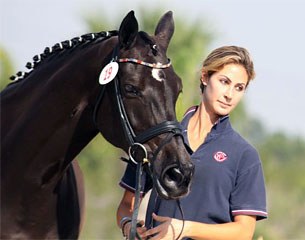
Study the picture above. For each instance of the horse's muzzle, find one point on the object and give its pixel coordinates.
(175, 180)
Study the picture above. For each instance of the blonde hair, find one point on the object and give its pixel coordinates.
(222, 56)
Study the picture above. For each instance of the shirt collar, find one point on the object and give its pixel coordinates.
(219, 126)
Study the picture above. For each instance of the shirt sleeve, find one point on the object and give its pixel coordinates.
(249, 194)
(128, 180)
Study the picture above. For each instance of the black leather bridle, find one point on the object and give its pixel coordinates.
(173, 127)
(136, 141)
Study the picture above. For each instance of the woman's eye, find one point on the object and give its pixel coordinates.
(240, 88)
(224, 81)
(132, 90)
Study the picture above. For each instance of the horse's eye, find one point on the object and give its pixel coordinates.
(129, 89)
(154, 49)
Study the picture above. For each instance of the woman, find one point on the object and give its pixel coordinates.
(228, 192)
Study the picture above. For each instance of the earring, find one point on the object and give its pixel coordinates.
(203, 78)
(204, 83)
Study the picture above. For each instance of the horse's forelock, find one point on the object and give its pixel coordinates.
(148, 39)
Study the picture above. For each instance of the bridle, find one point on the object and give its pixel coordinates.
(131, 137)
(136, 141)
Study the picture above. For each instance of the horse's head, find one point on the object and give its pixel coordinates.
(149, 88)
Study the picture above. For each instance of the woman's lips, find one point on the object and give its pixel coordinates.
(225, 104)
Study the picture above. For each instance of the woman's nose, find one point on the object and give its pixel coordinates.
(229, 92)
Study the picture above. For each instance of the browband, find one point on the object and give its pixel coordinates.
(152, 65)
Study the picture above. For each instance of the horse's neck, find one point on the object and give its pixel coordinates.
(61, 86)
(45, 111)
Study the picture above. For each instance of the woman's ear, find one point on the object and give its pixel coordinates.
(204, 77)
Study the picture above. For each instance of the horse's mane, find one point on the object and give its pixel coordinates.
(60, 47)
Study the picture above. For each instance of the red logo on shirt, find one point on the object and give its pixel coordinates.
(220, 156)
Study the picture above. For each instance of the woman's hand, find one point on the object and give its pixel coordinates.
(140, 229)
(170, 228)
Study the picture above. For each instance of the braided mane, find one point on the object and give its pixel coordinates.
(62, 46)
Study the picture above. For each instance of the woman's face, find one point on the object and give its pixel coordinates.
(224, 89)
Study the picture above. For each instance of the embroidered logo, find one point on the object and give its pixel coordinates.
(220, 156)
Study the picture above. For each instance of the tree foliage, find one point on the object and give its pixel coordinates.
(6, 68)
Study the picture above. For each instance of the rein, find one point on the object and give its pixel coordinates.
(137, 140)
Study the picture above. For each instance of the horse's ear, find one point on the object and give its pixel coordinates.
(128, 30)
(165, 29)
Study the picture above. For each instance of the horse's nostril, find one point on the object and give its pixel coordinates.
(175, 175)
(172, 175)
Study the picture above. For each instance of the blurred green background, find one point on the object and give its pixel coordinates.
(282, 154)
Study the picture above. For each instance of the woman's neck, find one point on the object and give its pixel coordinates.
(199, 126)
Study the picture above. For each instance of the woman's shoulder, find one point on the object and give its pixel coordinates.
(233, 139)
(190, 110)
(237, 137)
(247, 150)
(187, 115)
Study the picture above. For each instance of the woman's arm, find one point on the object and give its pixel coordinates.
(124, 213)
(126, 206)
(242, 228)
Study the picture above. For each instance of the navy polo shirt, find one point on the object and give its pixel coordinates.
(228, 180)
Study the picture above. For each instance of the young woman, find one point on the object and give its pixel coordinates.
(228, 192)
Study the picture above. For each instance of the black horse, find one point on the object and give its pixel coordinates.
(118, 83)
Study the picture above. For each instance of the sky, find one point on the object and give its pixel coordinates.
(272, 30)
